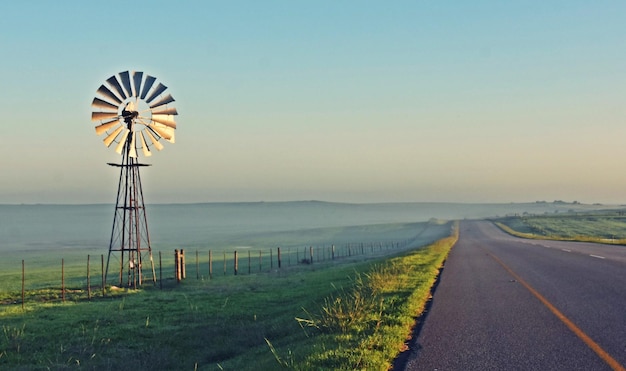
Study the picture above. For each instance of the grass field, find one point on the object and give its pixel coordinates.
(43, 265)
(606, 227)
(352, 315)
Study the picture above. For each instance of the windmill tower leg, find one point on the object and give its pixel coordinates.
(142, 221)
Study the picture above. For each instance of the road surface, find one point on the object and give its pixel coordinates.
(505, 303)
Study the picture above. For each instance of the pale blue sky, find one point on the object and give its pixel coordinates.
(349, 101)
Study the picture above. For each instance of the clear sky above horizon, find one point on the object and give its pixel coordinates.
(346, 101)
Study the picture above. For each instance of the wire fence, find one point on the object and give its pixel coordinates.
(86, 280)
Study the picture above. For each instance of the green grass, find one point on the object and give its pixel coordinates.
(609, 227)
(367, 325)
(200, 323)
(301, 317)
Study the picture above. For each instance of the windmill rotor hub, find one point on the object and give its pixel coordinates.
(129, 116)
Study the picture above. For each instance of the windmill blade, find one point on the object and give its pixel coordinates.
(125, 76)
(167, 99)
(122, 142)
(147, 85)
(97, 116)
(133, 151)
(166, 120)
(157, 91)
(161, 131)
(111, 137)
(154, 141)
(101, 129)
(130, 106)
(104, 91)
(144, 146)
(172, 137)
(169, 133)
(97, 102)
(166, 111)
(117, 87)
(137, 76)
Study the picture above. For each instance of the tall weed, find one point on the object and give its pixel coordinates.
(12, 338)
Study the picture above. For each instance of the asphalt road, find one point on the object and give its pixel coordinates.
(505, 303)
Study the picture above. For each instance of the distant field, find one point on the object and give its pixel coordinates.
(605, 227)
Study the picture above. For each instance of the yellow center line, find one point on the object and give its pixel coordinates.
(606, 357)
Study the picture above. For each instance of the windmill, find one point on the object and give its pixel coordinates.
(132, 111)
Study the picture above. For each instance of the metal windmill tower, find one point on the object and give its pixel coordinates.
(129, 108)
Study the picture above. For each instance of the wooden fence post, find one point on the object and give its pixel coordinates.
(183, 265)
(333, 252)
(88, 279)
(210, 264)
(63, 280)
(177, 265)
(311, 253)
(102, 268)
(236, 263)
(23, 282)
(278, 254)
